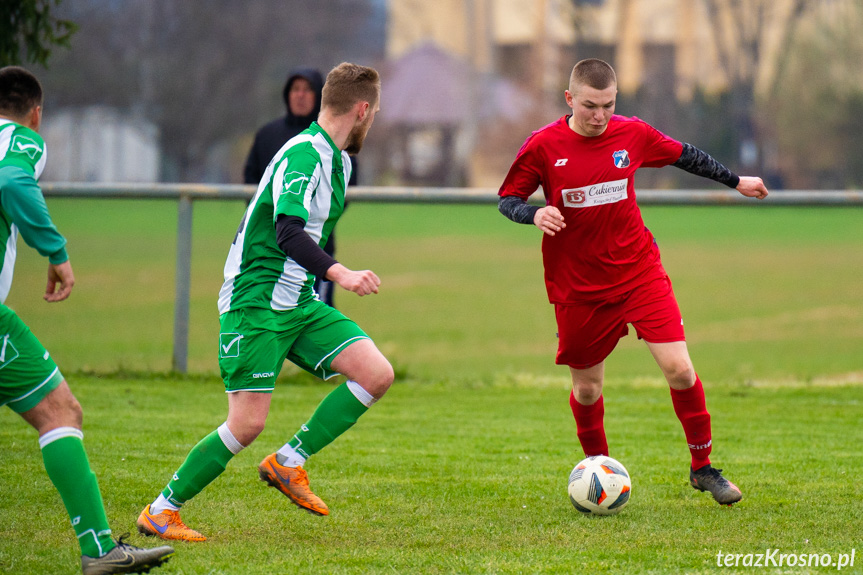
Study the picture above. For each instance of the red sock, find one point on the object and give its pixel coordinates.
(691, 410)
(588, 422)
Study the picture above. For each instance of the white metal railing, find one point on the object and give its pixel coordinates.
(186, 194)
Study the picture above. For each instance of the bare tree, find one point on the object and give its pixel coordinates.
(740, 31)
(204, 71)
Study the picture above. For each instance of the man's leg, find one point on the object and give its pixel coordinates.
(58, 419)
(369, 377)
(687, 396)
(588, 408)
(247, 415)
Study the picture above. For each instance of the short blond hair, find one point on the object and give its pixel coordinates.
(348, 84)
(592, 72)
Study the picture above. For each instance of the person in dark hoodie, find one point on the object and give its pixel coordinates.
(302, 96)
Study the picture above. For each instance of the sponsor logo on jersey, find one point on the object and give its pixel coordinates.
(561, 162)
(229, 344)
(263, 375)
(8, 353)
(295, 183)
(595, 195)
(621, 158)
(24, 145)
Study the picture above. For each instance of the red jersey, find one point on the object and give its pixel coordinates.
(605, 248)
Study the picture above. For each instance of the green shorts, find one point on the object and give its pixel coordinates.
(254, 342)
(27, 372)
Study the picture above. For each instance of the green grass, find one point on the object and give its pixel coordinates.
(458, 478)
(462, 467)
(766, 293)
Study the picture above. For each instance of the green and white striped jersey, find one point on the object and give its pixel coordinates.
(22, 206)
(306, 178)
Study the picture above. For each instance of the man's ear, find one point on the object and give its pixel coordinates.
(362, 110)
(34, 118)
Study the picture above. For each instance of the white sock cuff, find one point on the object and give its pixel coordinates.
(292, 457)
(59, 433)
(229, 440)
(361, 394)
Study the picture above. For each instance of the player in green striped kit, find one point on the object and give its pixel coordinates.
(30, 382)
(270, 312)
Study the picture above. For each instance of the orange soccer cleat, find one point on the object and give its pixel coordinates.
(294, 483)
(166, 525)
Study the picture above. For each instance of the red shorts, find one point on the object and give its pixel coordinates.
(589, 331)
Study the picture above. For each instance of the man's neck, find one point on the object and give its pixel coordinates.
(338, 128)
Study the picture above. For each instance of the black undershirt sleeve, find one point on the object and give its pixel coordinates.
(300, 247)
(702, 164)
(517, 209)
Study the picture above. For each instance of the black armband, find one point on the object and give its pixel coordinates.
(517, 209)
(702, 164)
(300, 247)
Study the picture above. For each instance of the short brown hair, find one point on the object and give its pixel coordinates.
(20, 92)
(348, 84)
(592, 72)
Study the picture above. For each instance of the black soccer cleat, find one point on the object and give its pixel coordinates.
(710, 479)
(125, 558)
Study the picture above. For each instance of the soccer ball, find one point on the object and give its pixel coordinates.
(599, 485)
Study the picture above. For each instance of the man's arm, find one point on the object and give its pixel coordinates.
(548, 219)
(300, 247)
(23, 201)
(517, 209)
(702, 164)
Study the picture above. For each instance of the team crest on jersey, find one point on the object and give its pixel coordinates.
(295, 183)
(24, 145)
(621, 158)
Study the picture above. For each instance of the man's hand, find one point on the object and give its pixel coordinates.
(752, 187)
(59, 274)
(362, 283)
(549, 220)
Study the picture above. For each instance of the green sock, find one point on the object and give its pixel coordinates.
(335, 414)
(205, 462)
(69, 470)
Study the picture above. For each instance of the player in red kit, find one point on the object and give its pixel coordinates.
(602, 265)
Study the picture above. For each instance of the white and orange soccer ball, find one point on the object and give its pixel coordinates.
(599, 485)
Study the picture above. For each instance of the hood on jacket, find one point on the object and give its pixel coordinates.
(314, 78)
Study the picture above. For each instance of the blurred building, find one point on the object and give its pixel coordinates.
(100, 144)
(538, 41)
(664, 51)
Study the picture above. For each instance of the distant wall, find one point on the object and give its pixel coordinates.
(100, 144)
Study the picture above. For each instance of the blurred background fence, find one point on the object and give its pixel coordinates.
(187, 194)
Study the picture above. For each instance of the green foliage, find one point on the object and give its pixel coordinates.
(29, 31)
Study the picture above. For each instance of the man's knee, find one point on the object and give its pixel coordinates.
(587, 392)
(379, 377)
(246, 431)
(60, 408)
(679, 373)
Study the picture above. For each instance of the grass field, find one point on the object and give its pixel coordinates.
(462, 467)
